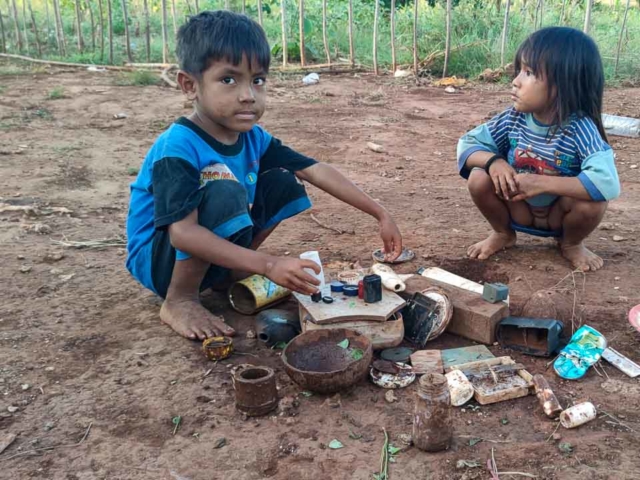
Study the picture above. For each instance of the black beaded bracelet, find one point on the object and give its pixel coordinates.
(490, 162)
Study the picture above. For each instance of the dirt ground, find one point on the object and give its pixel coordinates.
(81, 344)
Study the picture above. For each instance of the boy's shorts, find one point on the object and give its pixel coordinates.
(223, 210)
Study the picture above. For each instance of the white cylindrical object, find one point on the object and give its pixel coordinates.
(460, 388)
(314, 256)
(389, 279)
(578, 415)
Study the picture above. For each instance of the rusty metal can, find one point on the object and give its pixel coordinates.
(217, 348)
(256, 392)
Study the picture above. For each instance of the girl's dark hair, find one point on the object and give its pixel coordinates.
(218, 35)
(570, 63)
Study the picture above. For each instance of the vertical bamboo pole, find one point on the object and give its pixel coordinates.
(564, 6)
(165, 47)
(624, 25)
(62, 44)
(325, 40)
(415, 37)
(352, 53)
(173, 14)
(46, 11)
(197, 4)
(283, 20)
(16, 24)
(505, 33)
(447, 41)
(24, 25)
(376, 13)
(78, 26)
(301, 31)
(110, 19)
(227, 5)
(189, 7)
(147, 30)
(541, 15)
(260, 12)
(93, 26)
(587, 17)
(4, 38)
(394, 64)
(244, 7)
(101, 13)
(35, 28)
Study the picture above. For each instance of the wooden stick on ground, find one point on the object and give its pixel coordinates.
(334, 229)
(66, 64)
(44, 449)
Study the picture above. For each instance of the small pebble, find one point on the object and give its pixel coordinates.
(617, 238)
(20, 257)
(390, 396)
(25, 386)
(25, 269)
(12, 409)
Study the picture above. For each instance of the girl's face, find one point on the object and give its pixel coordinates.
(530, 94)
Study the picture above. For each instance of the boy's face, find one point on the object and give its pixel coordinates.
(229, 99)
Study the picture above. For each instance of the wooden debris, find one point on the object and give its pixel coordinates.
(546, 397)
(427, 361)
(374, 147)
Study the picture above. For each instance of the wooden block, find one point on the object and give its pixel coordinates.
(427, 361)
(345, 309)
(465, 355)
(473, 318)
(382, 334)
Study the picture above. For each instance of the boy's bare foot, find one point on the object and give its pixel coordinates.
(191, 320)
(492, 244)
(581, 257)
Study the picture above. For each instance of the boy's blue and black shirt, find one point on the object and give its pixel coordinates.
(184, 159)
(575, 150)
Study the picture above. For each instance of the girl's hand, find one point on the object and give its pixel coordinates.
(503, 177)
(289, 273)
(391, 238)
(529, 185)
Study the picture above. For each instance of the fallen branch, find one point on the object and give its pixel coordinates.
(92, 244)
(337, 230)
(66, 64)
(165, 77)
(44, 449)
(617, 421)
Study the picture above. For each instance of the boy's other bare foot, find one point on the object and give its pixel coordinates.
(492, 244)
(191, 320)
(581, 257)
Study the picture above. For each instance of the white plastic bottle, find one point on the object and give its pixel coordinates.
(315, 257)
(578, 415)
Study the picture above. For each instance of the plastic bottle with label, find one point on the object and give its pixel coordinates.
(315, 257)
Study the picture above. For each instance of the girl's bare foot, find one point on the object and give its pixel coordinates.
(581, 257)
(492, 244)
(191, 320)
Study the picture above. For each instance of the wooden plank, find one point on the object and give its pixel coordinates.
(465, 355)
(443, 276)
(473, 318)
(382, 334)
(427, 361)
(346, 309)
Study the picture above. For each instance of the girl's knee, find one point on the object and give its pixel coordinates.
(479, 183)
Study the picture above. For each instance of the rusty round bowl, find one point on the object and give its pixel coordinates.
(316, 362)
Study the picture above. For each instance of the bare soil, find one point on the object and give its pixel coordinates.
(81, 343)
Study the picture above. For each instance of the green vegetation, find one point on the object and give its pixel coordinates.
(56, 94)
(476, 31)
(139, 78)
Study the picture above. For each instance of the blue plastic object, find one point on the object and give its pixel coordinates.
(584, 349)
(533, 336)
(536, 231)
(495, 292)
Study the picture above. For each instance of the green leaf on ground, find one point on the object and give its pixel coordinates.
(131, 171)
(393, 450)
(335, 444)
(279, 346)
(306, 393)
(505, 421)
(565, 447)
(344, 343)
(357, 354)
(474, 441)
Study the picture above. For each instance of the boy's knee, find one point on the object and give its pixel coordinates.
(479, 183)
(587, 210)
(222, 201)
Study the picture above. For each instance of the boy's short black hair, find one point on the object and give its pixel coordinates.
(218, 35)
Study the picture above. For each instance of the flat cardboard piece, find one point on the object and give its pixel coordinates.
(457, 356)
(427, 361)
(345, 309)
(505, 385)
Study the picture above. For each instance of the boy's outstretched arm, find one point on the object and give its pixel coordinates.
(327, 178)
(187, 235)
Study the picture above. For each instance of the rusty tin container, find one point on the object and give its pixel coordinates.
(217, 348)
(256, 392)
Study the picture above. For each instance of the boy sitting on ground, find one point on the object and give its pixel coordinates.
(215, 185)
